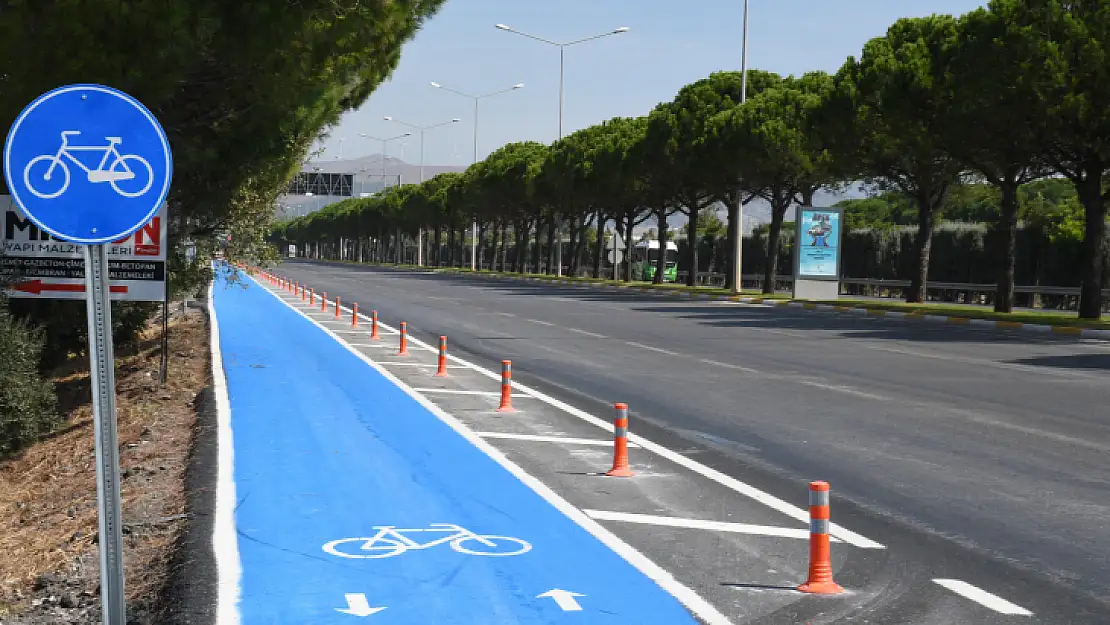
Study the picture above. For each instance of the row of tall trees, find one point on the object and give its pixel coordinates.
(242, 89)
(1004, 95)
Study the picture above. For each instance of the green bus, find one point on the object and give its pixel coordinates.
(644, 256)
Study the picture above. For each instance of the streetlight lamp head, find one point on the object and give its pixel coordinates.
(502, 27)
(388, 118)
(519, 85)
(456, 120)
(407, 134)
(435, 84)
(622, 29)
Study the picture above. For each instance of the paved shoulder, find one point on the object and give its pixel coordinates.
(354, 499)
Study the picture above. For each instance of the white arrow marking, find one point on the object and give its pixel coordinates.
(564, 598)
(357, 605)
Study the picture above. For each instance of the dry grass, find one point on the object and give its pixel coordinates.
(48, 509)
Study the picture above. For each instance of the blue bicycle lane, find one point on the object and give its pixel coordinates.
(328, 449)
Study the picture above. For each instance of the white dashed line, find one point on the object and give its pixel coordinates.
(697, 524)
(593, 334)
(982, 597)
(651, 348)
(567, 440)
(542, 323)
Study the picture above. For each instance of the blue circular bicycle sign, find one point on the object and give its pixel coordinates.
(88, 163)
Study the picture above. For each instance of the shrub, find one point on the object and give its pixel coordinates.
(28, 405)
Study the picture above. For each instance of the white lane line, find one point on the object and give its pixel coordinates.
(452, 391)
(727, 365)
(542, 323)
(691, 599)
(697, 524)
(982, 597)
(537, 438)
(840, 388)
(394, 363)
(225, 541)
(505, 314)
(593, 334)
(378, 345)
(1013, 366)
(767, 499)
(651, 348)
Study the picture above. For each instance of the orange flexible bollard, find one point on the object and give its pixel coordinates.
(354, 315)
(441, 370)
(337, 311)
(506, 387)
(404, 347)
(324, 302)
(374, 326)
(620, 444)
(820, 561)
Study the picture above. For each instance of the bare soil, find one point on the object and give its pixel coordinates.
(49, 566)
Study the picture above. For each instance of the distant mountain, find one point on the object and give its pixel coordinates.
(370, 167)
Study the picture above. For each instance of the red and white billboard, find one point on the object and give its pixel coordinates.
(35, 264)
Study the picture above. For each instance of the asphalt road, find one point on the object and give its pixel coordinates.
(988, 449)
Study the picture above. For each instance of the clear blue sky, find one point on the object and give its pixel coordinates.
(623, 75)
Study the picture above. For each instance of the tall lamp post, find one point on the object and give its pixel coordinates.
(738, 242)
(477, 99)
(384, 143)
(562, 48)
(421, 130)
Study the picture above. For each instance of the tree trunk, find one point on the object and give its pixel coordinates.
(504, 239)
(1094, 234)
(599, 251)
(923, 247)
(770, 272)
(437, 240)
(397, 250)
(576, 236)
(483, 232)
(1007, 231)
(692, 244)
(550, 269)
(522, 245)
(631, 223)
(734, 204)
(661, 261)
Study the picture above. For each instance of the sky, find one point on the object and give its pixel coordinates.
(621, 75)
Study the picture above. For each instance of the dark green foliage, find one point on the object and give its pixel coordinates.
(27, 401)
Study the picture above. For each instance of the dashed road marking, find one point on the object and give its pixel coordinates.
(651, 348)
(982, 597)
(698, 524)
(538, 438)
(452, 391)
(542, 323)
(587, 333)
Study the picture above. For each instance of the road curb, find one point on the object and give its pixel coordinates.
(1077, 332)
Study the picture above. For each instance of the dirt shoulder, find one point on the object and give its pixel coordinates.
(48, 510)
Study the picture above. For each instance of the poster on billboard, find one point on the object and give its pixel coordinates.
(34, 264)
(817, 253)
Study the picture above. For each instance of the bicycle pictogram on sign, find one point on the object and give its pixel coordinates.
(42, 169)
(392, 541)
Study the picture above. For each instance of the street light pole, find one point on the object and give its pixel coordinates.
(738, 242)
(477, 99)
(562, 47)
(384, 141)
(422, 129)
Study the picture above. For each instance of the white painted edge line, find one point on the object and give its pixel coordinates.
(698, 524)
(785, 507)
(982, 597)
(700, 607)
(453, 391)
(394, 363)
(225, 541)
(549, 439)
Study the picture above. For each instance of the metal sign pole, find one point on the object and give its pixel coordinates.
(103, 378)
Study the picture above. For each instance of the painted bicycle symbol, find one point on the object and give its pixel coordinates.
(119, 168)
(391, 541)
